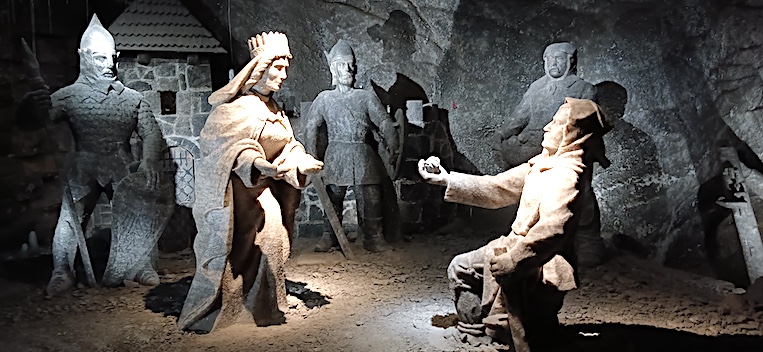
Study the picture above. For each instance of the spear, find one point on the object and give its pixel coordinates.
(32, 68)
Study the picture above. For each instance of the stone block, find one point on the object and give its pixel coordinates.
(128, 75)
(166, 124)
(155, 100)
(177, 234)
(166, 84)
(168, 69)
(315, 214)
(140, 86)
(149, 75)
(199, 77)
(301, 215)
(183, 125)
(170, 119)
(310, 230)
(183, 103)
(183, 83)
(141, 70)
(124, 66)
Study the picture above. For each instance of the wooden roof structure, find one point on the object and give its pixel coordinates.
(161, 25)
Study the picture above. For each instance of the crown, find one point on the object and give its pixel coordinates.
(274, 43)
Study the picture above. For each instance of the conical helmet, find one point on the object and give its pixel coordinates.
(96, 36)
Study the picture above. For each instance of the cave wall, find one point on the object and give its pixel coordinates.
(680, 77)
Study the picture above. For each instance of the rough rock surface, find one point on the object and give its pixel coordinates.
(681, 76)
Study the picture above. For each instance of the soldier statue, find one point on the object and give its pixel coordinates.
(102, 115)
(358, 126)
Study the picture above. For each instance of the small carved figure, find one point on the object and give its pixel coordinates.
(518, 139)
(102, 115)
(512, 288)
(355, 119)
(248, 187)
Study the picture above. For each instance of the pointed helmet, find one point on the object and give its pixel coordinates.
(96, 36)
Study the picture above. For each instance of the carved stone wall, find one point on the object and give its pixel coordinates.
(187, 86)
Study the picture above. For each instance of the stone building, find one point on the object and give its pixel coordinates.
(165, 54)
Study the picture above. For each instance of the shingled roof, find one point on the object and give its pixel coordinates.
(161, 25)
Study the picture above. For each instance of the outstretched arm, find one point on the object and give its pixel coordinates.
(487, 191)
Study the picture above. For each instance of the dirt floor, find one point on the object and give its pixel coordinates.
(380, 302)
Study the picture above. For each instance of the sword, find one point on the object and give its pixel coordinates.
(328, 209)
(32, 68)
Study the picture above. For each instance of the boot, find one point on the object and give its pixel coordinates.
(60, 281)
(373, 237)
(147, 276)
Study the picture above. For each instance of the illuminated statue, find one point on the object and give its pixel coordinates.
(103, 114)
(247, 191)
(520, 137)
(355, 120)
(512, 288)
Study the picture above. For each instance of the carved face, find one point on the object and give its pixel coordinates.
(273, 77)
(104, 55)
(555, 129)
(343, 70)
(556, 63)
